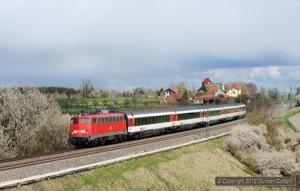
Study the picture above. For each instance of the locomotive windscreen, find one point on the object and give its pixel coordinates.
(85, 121)
(74, 121)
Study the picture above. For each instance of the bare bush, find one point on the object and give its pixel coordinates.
(252, 146)
(246, 140)
(30, 122)
(262, 115)
(284, 161)
(4, 147)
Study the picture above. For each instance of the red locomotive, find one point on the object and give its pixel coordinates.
(93, 128)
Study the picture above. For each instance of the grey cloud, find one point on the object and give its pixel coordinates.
(144, 42)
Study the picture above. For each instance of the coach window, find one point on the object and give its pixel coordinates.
(137, 122)
(151, 120)
(144, 121)
(159, 118)
(156, 119)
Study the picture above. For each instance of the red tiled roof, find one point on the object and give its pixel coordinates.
(206, 81)
(176, 90)
(213, 90)
(235, 86)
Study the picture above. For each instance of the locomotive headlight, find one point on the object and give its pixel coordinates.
(86, 131)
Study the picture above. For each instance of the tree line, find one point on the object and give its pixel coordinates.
(59, 90)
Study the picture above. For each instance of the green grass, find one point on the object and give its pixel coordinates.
(285, 118)
(189, 168)
(286, 98)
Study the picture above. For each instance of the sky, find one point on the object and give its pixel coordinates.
(123, 44)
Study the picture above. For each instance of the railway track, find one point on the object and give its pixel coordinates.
(34, 160)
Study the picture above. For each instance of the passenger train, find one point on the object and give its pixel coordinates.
(92, 128)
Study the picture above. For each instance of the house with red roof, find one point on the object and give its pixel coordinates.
(215, 91)
(234, 90)
(171, 91)
(172, 95)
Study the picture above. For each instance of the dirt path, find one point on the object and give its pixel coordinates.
(296, 121)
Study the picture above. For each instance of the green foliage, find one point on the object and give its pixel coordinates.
(185, 97)
(285, 118)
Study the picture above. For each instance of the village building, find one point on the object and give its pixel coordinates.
(171, 91)
(234, 90)
(172, 95)
(205, 99)
(217, 91)
(174, 98)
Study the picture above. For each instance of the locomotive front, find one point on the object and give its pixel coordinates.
(80, 130)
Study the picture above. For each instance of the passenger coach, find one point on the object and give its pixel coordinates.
(147, 122)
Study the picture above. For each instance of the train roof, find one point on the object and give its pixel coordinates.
(96, 113)
(152, 112)
(178, 110)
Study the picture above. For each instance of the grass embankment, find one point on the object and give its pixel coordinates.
(190, 168)
(285, 118)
